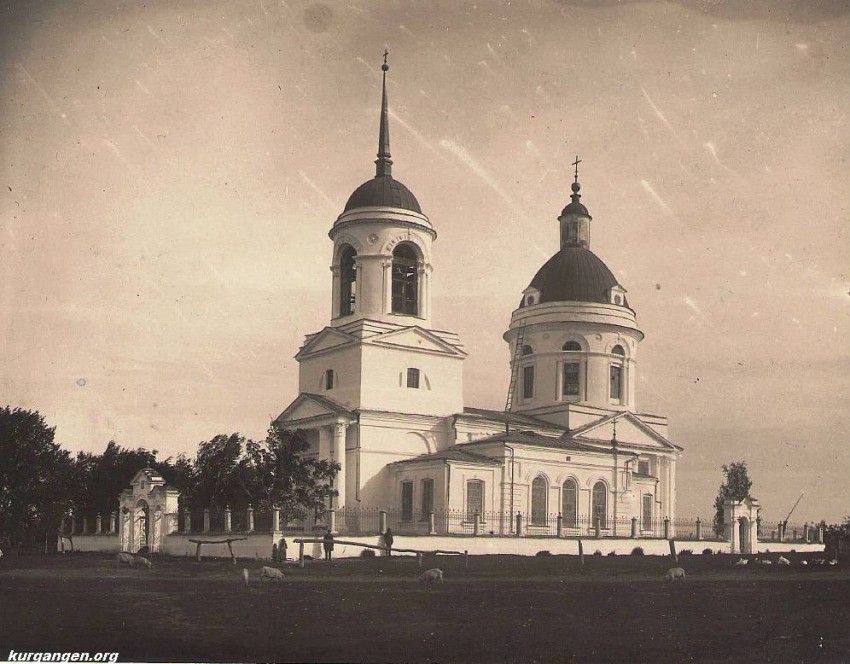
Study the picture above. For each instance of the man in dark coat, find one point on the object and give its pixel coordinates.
(328, 544)
(388, 541)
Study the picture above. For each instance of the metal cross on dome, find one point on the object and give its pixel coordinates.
(576, 163)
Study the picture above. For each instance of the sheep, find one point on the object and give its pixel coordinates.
(675, 574)
(766, 562)
(123, 557)
(804, 562)
(271, 573)
(143, 561)
(742, 561)
(431, 576)
(783, 561)
(833, 562)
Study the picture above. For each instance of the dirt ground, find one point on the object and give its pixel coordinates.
(499, 609)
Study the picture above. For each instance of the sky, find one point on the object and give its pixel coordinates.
(169, 171)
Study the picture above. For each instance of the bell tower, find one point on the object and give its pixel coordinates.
(381, 262)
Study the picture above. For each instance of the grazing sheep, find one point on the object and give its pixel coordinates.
(742, 561)
(783, 561)
(766, 562)
(272, 574)
(122, 557)
(431, 576)
(833, 562)
(245, 574)
(675, 574)
(804, 562)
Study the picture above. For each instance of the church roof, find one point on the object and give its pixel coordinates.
(383, 191)
(454, 454)
(512, 418)
(531, 438)
(574, 274)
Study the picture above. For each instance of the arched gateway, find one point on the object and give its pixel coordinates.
(148, 511)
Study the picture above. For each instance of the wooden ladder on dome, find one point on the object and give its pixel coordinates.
(509, 402)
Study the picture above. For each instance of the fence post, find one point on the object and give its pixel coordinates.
(275, 519)
(581, 552)
(634, 527)
(227, 518)
(794, 539)
(432, 527)
(476, 525)
(666, 527)
(419, 558)
(332, 521)
(86, 526)
(249, 518)
(699, 529)
(206, 519)
(673, 553)
(98, 524)
(301, 553)
(113, 522)
(518, 524)
(597, 525)
(466, 559)
(187, 520)
(382, 521)
(73, 520)
(559, 527)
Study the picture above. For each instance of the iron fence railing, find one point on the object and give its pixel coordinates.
(374, 521)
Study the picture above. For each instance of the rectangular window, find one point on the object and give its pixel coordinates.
(427, 497)
(643, 467)
(647, 512)
(528, 382)
(570, 379)
(329, 379)
(413, 378)
(616, 381)
(474, 499)
(407, 501)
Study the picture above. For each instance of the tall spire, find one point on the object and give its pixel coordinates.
(383, 164)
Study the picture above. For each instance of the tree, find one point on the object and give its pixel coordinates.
(36, 476)
(736, 486)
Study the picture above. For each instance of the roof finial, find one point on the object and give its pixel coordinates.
(384, 164)
(576, 186)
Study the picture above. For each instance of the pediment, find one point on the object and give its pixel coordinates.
(630, 430)
(415, 338)
(149, 476)
(309, 406)
(326, 339)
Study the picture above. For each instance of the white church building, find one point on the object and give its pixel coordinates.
(381, 390)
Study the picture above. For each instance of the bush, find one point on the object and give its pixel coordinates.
(543, 553)
(597, 552)
(612, 553)
(637, 551)
(707, 552)
(367, 553)
(686, 552)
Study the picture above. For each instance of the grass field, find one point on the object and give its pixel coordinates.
(500, 609)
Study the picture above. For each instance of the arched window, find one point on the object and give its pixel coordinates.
(347, 281)
(618, 350)
(599, 504)
(527, 350)
(405, 281)
(538, 501)
(616, 378)
(572, 346)
(569, 503)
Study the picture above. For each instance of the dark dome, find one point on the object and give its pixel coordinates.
(383, 191)
(574, 274)
(575, 208)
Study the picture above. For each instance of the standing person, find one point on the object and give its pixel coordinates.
(282, 549)
(328, 544)
(388, 541)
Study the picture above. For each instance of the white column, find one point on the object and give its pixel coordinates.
(422, 290)
(387, 303)
(339, 457)
(358, 294)
(324, 443)
(335, 288)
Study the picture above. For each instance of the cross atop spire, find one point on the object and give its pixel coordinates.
(576, 163)
(384, 165)
(576, 187)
